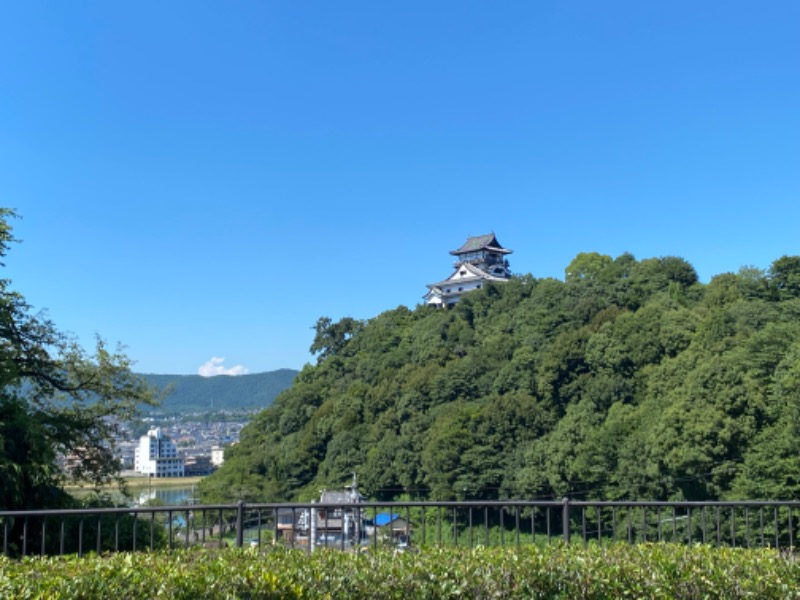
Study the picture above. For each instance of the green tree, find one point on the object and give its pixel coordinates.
(771, 468)
(331, 338)
(785, 276)
(56, 400)
(588, 265)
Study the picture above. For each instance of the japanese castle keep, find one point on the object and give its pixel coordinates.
(480, 259)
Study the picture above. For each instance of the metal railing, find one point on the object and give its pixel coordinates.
(400, 524)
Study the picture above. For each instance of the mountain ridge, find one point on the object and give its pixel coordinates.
(191, 393)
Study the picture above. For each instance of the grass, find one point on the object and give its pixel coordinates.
(142, 482)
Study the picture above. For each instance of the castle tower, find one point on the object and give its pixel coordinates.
(480, 259)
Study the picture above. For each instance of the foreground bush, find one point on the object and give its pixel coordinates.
(642, 571)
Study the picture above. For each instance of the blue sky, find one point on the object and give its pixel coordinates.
(204, 179)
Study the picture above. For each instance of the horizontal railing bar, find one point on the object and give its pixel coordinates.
(117, 510)
(686, 503)
(405, 504)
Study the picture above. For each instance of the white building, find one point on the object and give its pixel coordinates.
(479, 260)
(157, 456)
(217, 456)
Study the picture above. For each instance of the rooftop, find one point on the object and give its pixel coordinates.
(480, 242)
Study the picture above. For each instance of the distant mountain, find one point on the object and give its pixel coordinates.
(192, 393)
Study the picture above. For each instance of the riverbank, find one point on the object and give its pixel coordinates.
(140, 482)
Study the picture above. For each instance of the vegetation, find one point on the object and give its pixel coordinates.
(628, 380)
(193, 393)
(642, 571)
(56, 400)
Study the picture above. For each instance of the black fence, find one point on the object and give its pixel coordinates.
(401, 525)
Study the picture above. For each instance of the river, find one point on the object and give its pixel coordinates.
(169, 496)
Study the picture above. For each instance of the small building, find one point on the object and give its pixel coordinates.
(157, 456)
(336, 520)
(480, 260)
(392, 527)
(73, 462)
(198, 466)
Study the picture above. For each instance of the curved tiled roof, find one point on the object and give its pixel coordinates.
(474, 274)
(479, 242)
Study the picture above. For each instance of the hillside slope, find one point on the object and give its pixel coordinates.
(628, 380)
(195, 393)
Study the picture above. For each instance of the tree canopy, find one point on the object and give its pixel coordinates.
(631, 379)
(56, 400)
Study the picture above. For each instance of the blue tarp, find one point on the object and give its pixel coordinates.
(382, 519)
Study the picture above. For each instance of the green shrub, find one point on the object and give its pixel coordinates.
(638, 571)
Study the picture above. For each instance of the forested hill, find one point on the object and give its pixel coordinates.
(629, 380)
(195, 393)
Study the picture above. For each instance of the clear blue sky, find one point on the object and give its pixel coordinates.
(206, 179)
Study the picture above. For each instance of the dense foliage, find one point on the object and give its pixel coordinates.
(630, 379)
(56, 400)
(621, 571)
(193, 393)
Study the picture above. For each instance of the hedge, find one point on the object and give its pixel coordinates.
(573, 572)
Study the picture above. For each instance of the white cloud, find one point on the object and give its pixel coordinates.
(215, 367)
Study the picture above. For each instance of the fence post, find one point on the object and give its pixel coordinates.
(565, 518)
(240, 524)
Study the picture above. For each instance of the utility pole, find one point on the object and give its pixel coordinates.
(357, 512)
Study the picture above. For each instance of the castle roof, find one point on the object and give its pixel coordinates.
(472, 274)
(481, 242)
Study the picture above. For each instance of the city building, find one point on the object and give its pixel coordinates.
(157, 456)
(198, 466)
(481, 259)
(217, 456)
